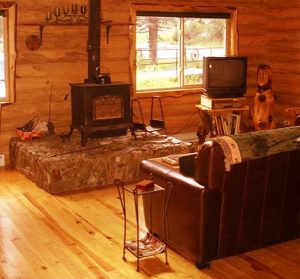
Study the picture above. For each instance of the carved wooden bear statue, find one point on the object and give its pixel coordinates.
(263, 110)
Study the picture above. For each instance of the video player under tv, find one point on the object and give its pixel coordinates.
(220, 103)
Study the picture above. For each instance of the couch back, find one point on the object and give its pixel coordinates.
(260, 198)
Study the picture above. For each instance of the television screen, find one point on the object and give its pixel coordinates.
(225, 76)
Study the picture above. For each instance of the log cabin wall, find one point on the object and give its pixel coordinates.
(268, 33)
(283, 54)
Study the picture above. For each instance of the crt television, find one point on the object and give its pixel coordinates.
(225, 77)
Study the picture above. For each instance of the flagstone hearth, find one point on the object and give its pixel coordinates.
(59, 167)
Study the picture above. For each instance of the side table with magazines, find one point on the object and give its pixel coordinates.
(148, 245)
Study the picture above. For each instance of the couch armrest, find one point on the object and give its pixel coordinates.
(167, 173)
(193, 212)
(210, 168)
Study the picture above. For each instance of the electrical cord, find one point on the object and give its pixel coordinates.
(171, 96)
(185, 125)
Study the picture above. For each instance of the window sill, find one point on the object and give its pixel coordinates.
(169, 93)
(5, 103)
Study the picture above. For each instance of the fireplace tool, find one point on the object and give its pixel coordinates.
(50, 125)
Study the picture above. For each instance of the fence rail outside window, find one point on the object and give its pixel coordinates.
(170, 49)
(167, 65)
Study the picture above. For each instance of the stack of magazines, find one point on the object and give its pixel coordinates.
(148, 245)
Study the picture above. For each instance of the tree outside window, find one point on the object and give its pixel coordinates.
(170, 50)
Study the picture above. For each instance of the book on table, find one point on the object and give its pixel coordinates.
(145, 185)
(224, 125)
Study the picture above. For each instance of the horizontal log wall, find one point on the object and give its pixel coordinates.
(283, 54)
(268, 33)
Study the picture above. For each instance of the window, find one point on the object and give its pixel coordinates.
(7, 51)
(169, 47)
(2, 70)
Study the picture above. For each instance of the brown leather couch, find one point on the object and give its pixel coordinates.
(215, 213)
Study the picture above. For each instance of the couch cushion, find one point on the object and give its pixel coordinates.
(187, 164)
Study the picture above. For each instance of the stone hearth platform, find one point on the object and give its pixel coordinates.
(59, 167)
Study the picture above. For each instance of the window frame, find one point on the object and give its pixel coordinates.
(193, 10)
(10, 8)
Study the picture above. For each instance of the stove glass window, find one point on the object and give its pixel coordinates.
(108, 107)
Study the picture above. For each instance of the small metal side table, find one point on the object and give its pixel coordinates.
(149, 245)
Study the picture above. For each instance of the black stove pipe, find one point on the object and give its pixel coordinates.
(94, 35)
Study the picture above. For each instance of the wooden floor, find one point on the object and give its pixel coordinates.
(80, 236)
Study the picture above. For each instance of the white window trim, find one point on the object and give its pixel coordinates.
(10, 52)
(232, 39)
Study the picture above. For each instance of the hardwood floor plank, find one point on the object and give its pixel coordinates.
(277, 261)
(80, 235)
(53, 221)
(86, 236)
(222, 269)
(13, 263)
(40, 237)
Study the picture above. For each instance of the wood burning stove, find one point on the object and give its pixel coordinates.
(99, 108)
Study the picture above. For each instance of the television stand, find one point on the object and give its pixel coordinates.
(219, 122)
(221, 103)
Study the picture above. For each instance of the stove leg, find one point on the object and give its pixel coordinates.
(132, 132)
(84, 138)
(67, 136)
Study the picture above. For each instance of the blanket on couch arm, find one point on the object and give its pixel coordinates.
(243, 147)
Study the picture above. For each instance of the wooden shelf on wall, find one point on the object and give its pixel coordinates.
(39, 39)
(61, 24)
